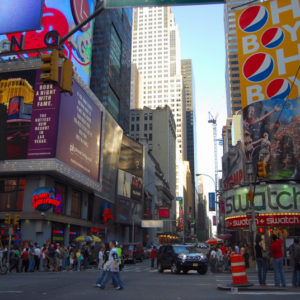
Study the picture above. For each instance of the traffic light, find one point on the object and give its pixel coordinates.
(7, 219)
(67, 76)
(250, 195)
(16, 219)
(261, 169)
(49, 67)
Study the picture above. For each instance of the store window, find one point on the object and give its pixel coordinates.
(12, 194)
(115, 51)
(76, 204)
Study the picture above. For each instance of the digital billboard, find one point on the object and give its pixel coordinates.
(124, 184)
(59, 16)
(78, 140)
(20, 15)
(271, 134)
(110, 154)
(268, 50)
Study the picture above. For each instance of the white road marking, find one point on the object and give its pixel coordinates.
(11, 292)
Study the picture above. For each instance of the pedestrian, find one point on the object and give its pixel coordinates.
(277, 254)
(294, 250)
(42, 258)
(85, 255)
(25, 260)
(79, 259)
(119, 250)
(246, 256)
(100, 258)
(213, 260)
(37, 253)
(261, 260)
(13, 261)
(51, 257)
(112, 268)
(153, 256)
(31, 259)
(220, 260)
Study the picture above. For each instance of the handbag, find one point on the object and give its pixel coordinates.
(107, 266)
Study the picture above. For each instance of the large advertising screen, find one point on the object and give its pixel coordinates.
(111, 145)
(271, 134)
(20, 15)
(78, 140)
(268, 50)
(59, 16)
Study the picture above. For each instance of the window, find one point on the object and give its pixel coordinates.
(115, 51)
(113, 105)
(150, 137)
(132, 118)
(145, 127)
(12, 194)
(137, 127)
(76, 204)
(150, 126)
(137, 117)
(132, 127)
(146, 117)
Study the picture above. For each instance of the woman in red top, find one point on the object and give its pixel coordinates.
(25, 260)
(153, 255)
(276, 250)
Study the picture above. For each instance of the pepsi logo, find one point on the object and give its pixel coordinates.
(258, 67)
(278, 88)
(272, 37)
(253, 18)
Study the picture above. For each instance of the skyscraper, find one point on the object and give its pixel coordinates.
(187, 77)
(156, 53)
(233, 91)
(111, 62)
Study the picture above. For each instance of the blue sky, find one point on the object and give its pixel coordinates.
(202, 36)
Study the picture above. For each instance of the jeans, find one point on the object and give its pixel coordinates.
(261, 270)
(212, 263)
(279, 274)
(296, 277)
(31, 265)
(152, 262)
(117, 281)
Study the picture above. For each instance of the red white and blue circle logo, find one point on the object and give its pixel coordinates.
(258, 67)
(253, 18)
(278, 88)
(272, 37)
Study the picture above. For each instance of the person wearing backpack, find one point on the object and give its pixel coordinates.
(295, 260)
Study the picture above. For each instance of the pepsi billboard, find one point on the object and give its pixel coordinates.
(268, 50)
(20, 15)
(271, 133)
(59, 18)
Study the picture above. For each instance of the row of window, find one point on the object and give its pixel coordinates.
(137, 127)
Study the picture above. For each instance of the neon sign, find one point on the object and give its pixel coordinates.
(44, 198)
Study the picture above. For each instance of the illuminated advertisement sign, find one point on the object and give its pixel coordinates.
(124, 184)
(44, 198)
(78, 139)
(136, 188)
(269, 198)
(212, 201)
(59, 16)
(164, 212)
(271, 135)
(268, 49)
(20, 15)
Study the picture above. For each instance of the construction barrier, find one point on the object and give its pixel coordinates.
(238, 269)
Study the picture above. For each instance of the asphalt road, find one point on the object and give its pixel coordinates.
(140, 283)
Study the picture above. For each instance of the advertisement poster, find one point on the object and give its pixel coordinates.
(78, 141)
(123, 215)
(131, 157)
(60, 16)
(268, 50)
(26, 15)
(111, 146)
(136, 188)
(271, 133)
(43, 129)
(212, 201)
(124, 184)
(233, 167)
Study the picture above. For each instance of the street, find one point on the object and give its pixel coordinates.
(140, 283)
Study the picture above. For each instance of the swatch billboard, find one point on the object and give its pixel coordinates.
(271, 134)
(78, 139)
(59, 16)
(268, 50)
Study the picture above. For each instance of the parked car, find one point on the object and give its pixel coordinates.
(181, 258)
(133, 252)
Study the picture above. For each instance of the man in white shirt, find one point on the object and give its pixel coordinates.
(37, 253)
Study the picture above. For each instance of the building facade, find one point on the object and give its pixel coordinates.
(111, 62)
(188, 84)
(156, 53)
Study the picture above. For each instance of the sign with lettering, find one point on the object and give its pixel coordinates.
(44, 198)
(78, 140)
(270, 198)
(43, 130)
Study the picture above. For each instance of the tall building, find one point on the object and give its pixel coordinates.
(227, 135)
(187, 78)
(156, 53)
(136, 88)
(111, 62)
(158, 127)
(233, 91)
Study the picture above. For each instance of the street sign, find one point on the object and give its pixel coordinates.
(138, 3)
(212, 201)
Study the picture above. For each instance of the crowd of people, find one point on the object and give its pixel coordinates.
(219, 259)
(49, 257)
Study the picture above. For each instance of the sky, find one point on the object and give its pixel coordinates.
(202, 36)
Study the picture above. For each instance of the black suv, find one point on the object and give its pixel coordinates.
(181, 258)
